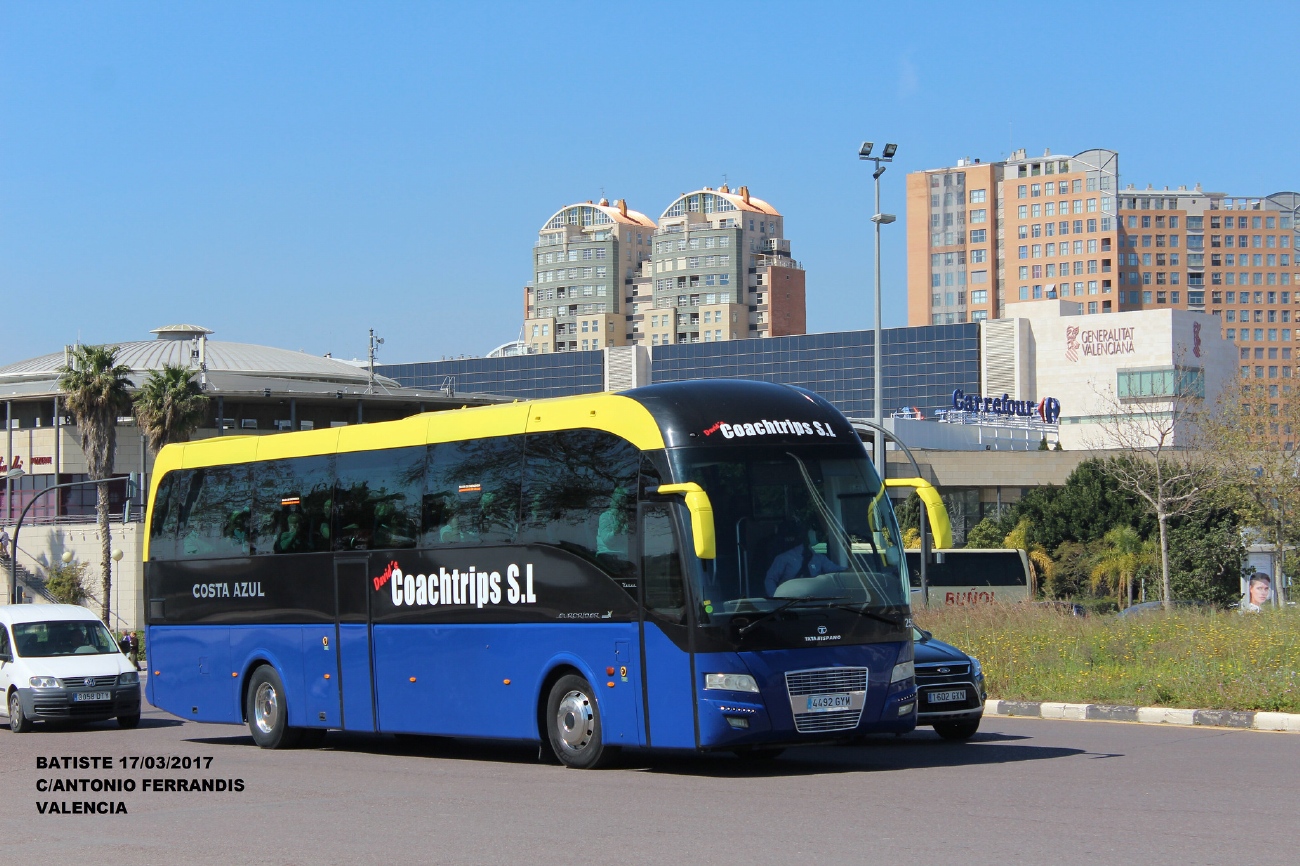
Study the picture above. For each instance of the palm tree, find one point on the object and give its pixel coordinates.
(1122, 556)
(95, 388)
(169, 406)
(1041, 567)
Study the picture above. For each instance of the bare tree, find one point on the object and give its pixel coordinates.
(1256, 429)
(1162, 462)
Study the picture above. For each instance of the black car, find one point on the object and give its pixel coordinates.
(950, 688)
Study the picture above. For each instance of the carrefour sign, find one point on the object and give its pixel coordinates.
(1047, 409)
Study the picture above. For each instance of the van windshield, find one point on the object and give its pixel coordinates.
(62, 637)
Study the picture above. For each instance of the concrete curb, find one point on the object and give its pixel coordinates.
(1258, 721)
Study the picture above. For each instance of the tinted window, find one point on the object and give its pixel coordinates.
(213, 518)
(580, 494)
(294, 499)
(661, 571)
(377, 502)
(162, 543)
(472, 491)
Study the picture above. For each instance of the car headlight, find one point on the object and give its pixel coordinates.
(44, 682)
(730, 682)
(903, 671)
(130, 678)
(975, 667)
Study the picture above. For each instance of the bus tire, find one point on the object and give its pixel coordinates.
(268, 711)
(573, 724)
(18, 721)
(962, 730)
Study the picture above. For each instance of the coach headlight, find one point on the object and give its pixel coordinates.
(731, 682)
(903, 671)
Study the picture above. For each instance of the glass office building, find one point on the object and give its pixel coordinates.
(528, 377)
(923, 366)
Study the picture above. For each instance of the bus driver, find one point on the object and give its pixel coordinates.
(799, 560)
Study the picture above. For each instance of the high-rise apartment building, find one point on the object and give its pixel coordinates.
(715, 267)
(584, 262)
(1062, 227)
(982, 234)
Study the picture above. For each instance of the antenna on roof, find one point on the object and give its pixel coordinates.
(375, 343)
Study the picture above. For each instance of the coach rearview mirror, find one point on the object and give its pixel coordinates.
(697, 503)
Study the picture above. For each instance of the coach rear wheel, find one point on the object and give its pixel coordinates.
(268, 714)
(573, 724)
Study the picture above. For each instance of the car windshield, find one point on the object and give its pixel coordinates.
(795, 523)
(62, 637)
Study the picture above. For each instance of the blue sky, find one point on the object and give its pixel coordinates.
(294, 173)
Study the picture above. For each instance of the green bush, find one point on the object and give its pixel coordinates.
(67, 582)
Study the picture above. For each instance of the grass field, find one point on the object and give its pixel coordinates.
(1185, 659)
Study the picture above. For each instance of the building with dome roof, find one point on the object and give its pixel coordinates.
(253, 390)
(715, 267)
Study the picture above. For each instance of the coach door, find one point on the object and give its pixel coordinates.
(669, 695)
(351, 573)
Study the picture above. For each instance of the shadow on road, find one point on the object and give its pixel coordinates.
(919, 750)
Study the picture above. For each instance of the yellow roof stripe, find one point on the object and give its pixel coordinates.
(612, 413)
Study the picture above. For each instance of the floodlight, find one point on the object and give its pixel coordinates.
(865, 150)
(890, 150)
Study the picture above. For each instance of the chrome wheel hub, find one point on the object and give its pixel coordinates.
(266, 709)
(576, 721)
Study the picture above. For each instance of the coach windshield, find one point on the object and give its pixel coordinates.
(801, 530)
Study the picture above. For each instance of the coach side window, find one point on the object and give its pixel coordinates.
(377, 499)
(215, 512)
(293, 503)
(580, 490)
(162, 543)
(471, 493)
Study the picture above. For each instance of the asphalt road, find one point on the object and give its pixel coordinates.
(1022, 791)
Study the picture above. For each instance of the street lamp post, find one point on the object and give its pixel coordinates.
(878, 447)
(15, 593)
(117, 584)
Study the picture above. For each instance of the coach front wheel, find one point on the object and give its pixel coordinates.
(573, 724)
(267, 711)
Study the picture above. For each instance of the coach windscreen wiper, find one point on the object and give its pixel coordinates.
(786, 606)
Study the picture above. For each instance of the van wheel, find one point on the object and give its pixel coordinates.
(573, 725)
(957, 730)
(129, 722)
(18, 723)
(268, 712)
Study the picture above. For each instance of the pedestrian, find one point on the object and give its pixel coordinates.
(134, 648)
(5, 541)
(124, 644)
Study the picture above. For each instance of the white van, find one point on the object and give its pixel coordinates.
(59, 663)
